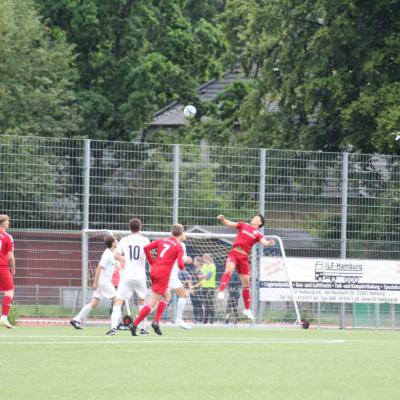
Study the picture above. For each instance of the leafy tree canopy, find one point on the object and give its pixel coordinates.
(37, 75)
(134, 57)
(326, 72)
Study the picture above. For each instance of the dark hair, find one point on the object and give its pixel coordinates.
(135, 225)
(177, 230)
(262, 220)
(109, 240)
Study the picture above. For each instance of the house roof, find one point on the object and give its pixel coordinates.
(172, 114)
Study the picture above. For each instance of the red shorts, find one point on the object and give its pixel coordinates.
(241, 262)
(159, 280)
(6, 280)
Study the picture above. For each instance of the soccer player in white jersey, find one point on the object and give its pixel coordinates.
(133, 276)
(102, 282)
(176, 285)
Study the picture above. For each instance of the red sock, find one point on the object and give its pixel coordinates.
(162, 305)
(143, 313)
(246, 298)
(225, 278)
(6, 305)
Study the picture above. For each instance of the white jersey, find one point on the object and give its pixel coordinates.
(107, 264)
(174, 281)
(132, 247)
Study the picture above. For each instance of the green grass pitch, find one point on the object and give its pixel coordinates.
(44, 363)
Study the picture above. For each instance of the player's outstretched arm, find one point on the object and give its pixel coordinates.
(226, 222)
(267, 243)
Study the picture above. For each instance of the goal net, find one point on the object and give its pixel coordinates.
(202, 305)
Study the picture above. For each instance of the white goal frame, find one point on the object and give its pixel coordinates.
(151, 234)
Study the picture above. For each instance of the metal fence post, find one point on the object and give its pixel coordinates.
(86, 207)
(343, 233)
(37, 299)
(175, 196)
(393, 315)
(256, 258)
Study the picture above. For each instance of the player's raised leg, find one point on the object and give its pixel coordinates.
(226, 277)
(79, 319)
(247, 236)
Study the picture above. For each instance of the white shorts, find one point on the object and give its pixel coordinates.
(105, 290)
(126, 288)
(174, 281)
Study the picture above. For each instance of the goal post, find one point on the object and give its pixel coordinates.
(198, 244)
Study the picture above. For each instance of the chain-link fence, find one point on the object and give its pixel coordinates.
(323, 205)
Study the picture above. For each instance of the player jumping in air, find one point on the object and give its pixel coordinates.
(7, 270)
(169, 250)
(248, 235)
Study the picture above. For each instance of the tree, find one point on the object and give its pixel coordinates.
(37, 75)
(133, 57)
(208, 10)
(327, 72)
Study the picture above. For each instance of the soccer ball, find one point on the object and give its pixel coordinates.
(189, 111)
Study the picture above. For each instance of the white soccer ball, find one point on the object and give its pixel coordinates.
(189, 111)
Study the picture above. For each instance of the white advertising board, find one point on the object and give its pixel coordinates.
(330, 280)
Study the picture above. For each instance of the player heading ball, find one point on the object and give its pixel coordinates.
(247, 236)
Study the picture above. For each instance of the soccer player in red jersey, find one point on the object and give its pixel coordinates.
(7, 270)
(248, 235)
(169, 250)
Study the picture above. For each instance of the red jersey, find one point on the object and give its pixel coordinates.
(247, 236)
(6, 245)
(168, 251)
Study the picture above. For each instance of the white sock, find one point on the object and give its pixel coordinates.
(180, 307)
(4, 318)
(115, 317)
(83, 314)
(143, 324)
(128, 307)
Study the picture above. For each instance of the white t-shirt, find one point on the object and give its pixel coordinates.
(175, 268)
(107, 264)
(132, 247)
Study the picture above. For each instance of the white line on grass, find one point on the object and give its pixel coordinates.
(168, 341)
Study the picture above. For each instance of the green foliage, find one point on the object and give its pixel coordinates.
(208, 10)
(134, 57)
(223, 123)
(326, 72)
(37, 75)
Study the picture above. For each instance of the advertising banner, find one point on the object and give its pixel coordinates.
(330, 280)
